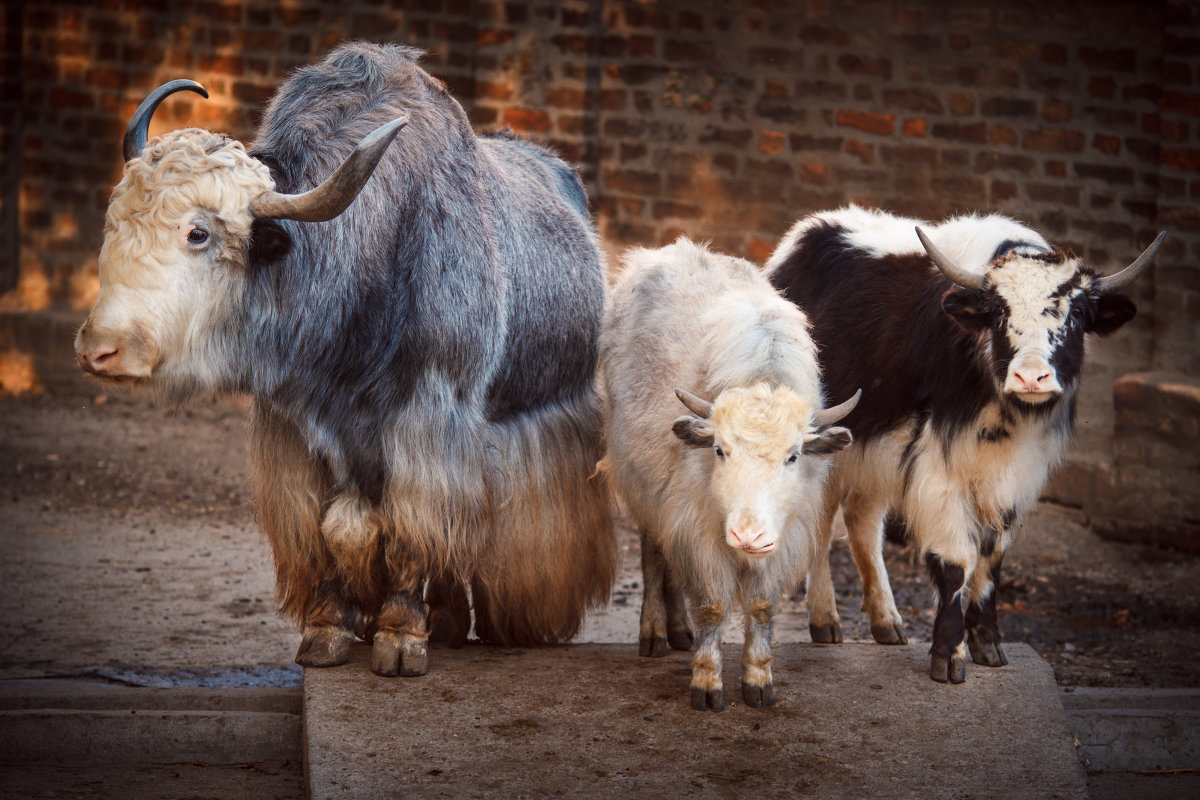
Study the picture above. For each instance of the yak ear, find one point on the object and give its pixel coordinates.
(1112, 311)
(828, 441)
(269, 242)
(694, 431)
(969, 308)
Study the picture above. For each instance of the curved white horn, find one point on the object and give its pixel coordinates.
(964, 278)
(836, 413)
(339, 190)
(697, 405)
(1115, 283)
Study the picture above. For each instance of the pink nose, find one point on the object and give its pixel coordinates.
(750, 539)
(1033, 380)
(98, 359)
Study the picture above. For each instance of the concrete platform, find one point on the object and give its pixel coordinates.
(597, 721)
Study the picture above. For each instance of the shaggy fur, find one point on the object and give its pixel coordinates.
(947, 444)
(421, 366)
(685, 317)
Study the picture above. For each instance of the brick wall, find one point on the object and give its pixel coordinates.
(723, 120)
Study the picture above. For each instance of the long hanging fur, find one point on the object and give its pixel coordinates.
(422, 366)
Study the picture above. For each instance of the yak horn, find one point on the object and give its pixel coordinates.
(964, 278)
(339, 190)
(1115, 283)
(139, 123)
(836, 413)
(697, 405)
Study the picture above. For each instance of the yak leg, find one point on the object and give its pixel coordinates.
(290, 487)
(823, 623)
(401, 644)
(679, 626)
(983, 627)
(756, 654)
(948, 658)
(664, 612)
(706, 663)
(449, 611)
(327, 627)
(864, 517)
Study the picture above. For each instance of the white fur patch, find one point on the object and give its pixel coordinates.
(970, 240)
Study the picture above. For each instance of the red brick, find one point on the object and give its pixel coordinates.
(632, 181)
(225, 65)
(566, 97)
(915, 127)
(823, 35)
(1054, 54)
(908, 156)
(1056, 169)
(1055, 110)
(733, 138)
(813, 172)
(1105, 173)
(1053, 141)
(1183, 158)
(494, 91)
(642, 17)
(990, 161)
(640, 46)
(774, 88)
(863, 152)
(1102, 86)
(853, 65)
(771, 142)
(913, 100)
(1001, 191)
(759, 249)
(1109, 145)
(961, 103)
(961, 132)
(1114, 59)
(867, 121)
(1186, 103)
(525, 120)
(667, 209)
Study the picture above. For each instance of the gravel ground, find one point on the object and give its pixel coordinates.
(130, 551)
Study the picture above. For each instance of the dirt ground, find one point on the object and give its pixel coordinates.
(128, 549)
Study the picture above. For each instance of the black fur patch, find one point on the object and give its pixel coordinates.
(995, 434)
(828, 441)
(690, 430)
(948, 627)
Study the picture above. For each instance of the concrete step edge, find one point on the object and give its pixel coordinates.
(130, 736)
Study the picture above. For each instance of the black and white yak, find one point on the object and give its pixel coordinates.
(968, 340)
(729, 494)
(417, 327)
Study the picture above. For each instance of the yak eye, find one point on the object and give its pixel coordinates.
(720, 453)
(197, 236)
(792, 459)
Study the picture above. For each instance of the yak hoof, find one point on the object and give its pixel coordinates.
(889, 633)
(680, 639)
(757, 696)
(985, 651)
(704, 699)
(448, 627)
(364, 626)
(948, 669)
(829, 633)
(324, 647)
(401, 654)
(653, 647)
